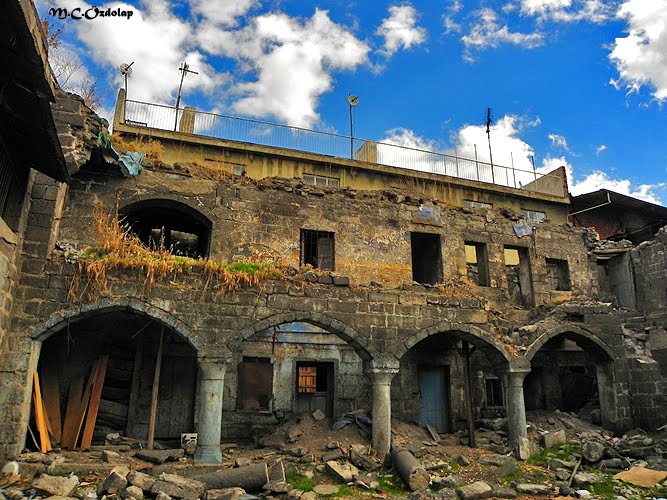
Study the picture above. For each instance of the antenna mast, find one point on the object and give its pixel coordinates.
(488, 135)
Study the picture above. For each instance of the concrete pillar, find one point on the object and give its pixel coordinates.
(209, 403)
(381, 373)
(516, 409)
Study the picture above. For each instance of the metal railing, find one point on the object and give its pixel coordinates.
(191, 121)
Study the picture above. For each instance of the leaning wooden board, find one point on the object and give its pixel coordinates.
(40, 417)
(96, 396)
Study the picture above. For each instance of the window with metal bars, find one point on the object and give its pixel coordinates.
(317, 249)
(13, 184)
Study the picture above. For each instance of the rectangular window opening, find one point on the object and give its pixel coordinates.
(519, 279)
(477, 263)
(321, 180)
(533, 215)
(317, 249)
(476, 204)
(255, 384)
(426, 258)
(558, 274)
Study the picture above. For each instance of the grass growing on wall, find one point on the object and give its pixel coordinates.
(118, 248)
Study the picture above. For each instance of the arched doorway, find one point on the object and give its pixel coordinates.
(292, 368)
(431, 385)
(125, 343)
(572, 371)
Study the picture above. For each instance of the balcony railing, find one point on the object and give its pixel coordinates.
(191, 121)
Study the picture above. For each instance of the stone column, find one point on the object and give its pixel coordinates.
(381, 372)
(516, 409)
(209, 403)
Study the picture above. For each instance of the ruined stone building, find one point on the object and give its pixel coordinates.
(351, 283)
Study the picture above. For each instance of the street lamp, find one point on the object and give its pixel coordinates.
(352, 100)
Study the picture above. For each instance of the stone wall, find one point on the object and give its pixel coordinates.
(377, 310)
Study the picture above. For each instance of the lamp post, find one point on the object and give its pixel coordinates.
(352, 100)
(183, 69)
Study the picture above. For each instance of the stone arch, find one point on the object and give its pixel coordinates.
(173, 215)
(202, 210)
(467, 330)
(360, 344)
(599, 348)
(61, 319)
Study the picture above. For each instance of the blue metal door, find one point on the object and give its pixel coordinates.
(434, 411)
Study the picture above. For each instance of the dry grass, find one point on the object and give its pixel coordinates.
(118, 247)
(152, 148)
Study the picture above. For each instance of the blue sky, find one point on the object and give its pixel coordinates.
(579, 83)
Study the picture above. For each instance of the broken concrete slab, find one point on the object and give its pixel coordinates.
(554, 438)
(593, 451)
(113, 484)
(225, 494)
(143, 481)
(132, 493)
(183, 482)
(533, 489)
(344, 472)
(56, 485)
(326, 489)
(475, 491)
(582, 479)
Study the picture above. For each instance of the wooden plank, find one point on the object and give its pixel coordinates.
(51, 396)
(132, 410)
(73, 403)
(83, 406)
(155, 392)
(96, 395)
(40, 418)
(434, 434)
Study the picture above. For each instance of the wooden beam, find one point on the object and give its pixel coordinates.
(51, 396)
(96, 396)
(468, 395)
(73, 403)
(155, 392)
(134, 386)
(40, 418)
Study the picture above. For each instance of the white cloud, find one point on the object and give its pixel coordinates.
(641, 56)
(293, 61)
(600, 149)
(560, 142)
(225, 13)
(448, 21)
(156, 40)
(596, 11)
(400, 30)
(489, 33)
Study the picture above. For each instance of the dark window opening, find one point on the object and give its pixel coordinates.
(494, 392)
(558, 274)
(426, 258)
(519, 279)
(255, 386)
(317, 249)
(477, 263)
(13, 184)
(169, 225)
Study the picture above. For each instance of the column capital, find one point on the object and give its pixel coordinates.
(516, 377)
(212, 368)
(382, 370)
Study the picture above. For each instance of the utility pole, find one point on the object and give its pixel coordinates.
(183, 69)
(488, 135)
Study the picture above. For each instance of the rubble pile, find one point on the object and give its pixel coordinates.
(308, 458)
